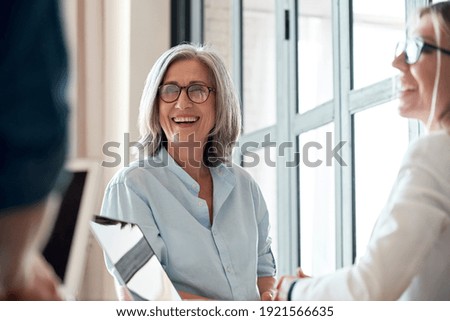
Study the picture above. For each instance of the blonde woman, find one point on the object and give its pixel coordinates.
(408, 255)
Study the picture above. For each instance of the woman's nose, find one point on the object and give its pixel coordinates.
(399, 62)
(183, 100)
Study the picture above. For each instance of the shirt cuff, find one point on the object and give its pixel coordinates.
(266, 265)
(291, 288)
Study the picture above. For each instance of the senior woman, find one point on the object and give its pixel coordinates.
(204, 216)
(408, 255)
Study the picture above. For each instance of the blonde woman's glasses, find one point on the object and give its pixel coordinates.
(414, 47)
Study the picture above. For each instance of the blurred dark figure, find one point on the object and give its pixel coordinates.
(33, 135)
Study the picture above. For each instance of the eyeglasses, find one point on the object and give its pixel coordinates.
(413, 48)
(197, 93)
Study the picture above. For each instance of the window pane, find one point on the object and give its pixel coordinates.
(381, 139)
(217, 28)
(259, 103)
(317, 209)
(260, 165)
(377, 27)
(315, 54)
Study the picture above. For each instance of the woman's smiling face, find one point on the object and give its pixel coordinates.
(418, 79)
(184, 120)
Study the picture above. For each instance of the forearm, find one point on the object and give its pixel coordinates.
(266, 284)
(22, 232)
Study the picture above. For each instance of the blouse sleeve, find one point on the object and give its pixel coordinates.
(266, 260)
(399, 243)
(122, 202)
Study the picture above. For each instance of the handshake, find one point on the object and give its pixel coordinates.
(283, 290)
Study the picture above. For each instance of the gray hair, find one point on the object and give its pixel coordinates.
(227, 106)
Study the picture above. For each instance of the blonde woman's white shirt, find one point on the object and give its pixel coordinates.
(408, 255)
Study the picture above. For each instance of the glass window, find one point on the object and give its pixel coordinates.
(315, 54)
(380, 135)
(381, 139)
(260, 164)
(259, 73)
(377, 27)
(317, 196)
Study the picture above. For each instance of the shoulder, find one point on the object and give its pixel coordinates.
(241, 175)
(432, 141)
(431, 148)
(430, 154)
(136, 172)
(243, 180)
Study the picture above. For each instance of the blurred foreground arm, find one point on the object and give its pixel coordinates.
(24, 274)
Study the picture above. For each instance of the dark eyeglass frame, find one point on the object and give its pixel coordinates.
(419, 46)
(188, 92)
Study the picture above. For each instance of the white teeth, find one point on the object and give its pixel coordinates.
(185, 119)
(405, 87)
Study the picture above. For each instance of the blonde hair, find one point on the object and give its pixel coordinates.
(227, 107)
(440, 14)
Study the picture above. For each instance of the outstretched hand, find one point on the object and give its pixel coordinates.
(285, 283)
(41, 284)
(301, 274)
(268, 295)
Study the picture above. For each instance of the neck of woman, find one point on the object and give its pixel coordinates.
(432, 126)
(189, 156)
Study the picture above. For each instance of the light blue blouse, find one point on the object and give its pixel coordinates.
(220, 261)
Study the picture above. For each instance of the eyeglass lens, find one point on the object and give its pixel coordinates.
(411, 48)
(196, 93)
